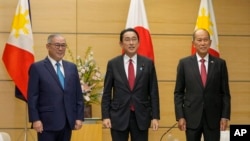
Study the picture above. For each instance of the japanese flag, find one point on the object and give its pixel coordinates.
(137, 19)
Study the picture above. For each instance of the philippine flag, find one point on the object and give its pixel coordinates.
(206, 20)
(18, 52)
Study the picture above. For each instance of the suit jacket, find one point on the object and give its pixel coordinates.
(117, 95)
(48, 101)
(192, 98)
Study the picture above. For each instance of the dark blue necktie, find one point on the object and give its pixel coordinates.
(59, 74)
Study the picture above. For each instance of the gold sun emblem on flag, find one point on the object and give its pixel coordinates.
(21, 19)
(203, 21)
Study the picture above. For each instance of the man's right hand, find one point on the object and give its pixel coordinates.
(38, 126)
(182, 124)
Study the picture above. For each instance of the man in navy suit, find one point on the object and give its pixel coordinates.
(130, 109)
(55, 107)
(202, 106)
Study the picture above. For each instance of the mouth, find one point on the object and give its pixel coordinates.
(60, 53)
(131, 47)
(203, 48)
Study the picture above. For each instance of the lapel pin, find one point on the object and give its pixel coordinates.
(142, 66)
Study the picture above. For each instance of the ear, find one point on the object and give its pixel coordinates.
(192, 43)
(210, 43)
(47, 46)
(121, 44)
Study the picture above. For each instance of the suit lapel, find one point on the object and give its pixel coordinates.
(211, 67)
(51, 70)
(66, 69)
(139, 69)
(121, 70)
(196, 70)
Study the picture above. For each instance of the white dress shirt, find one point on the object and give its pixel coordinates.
(126, 63)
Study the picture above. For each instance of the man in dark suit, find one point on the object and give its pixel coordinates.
(129, 108)
(202, 106)
(55, 107)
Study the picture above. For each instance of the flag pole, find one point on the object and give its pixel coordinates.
(26, 128)
(26, 121)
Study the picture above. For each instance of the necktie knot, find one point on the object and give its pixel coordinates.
(58, 64)
(202, 60)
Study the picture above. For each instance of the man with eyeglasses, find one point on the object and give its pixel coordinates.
(130, 101)
(55, 102)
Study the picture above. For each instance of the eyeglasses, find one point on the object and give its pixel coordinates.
(57, 45)
(128, 40)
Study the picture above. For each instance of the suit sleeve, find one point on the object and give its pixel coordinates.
(79, 101)
(106, 98)
(33, 94)
(226, 108)
(179, 91)
(154, 94)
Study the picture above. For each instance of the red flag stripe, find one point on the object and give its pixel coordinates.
(17, 63)
(146, 46)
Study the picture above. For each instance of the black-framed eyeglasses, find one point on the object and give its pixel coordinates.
(127, 39)
(57, 45)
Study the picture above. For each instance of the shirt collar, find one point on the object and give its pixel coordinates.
(53, 62)
(199, 58)
(126, 58)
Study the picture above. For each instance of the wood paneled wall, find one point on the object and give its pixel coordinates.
(97, 23)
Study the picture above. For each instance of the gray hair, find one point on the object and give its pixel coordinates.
(52, 36)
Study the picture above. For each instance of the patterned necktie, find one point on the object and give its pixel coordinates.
(131, 74)
(203, 72)
(59, 74)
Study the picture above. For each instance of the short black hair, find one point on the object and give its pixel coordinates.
(127, 30)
